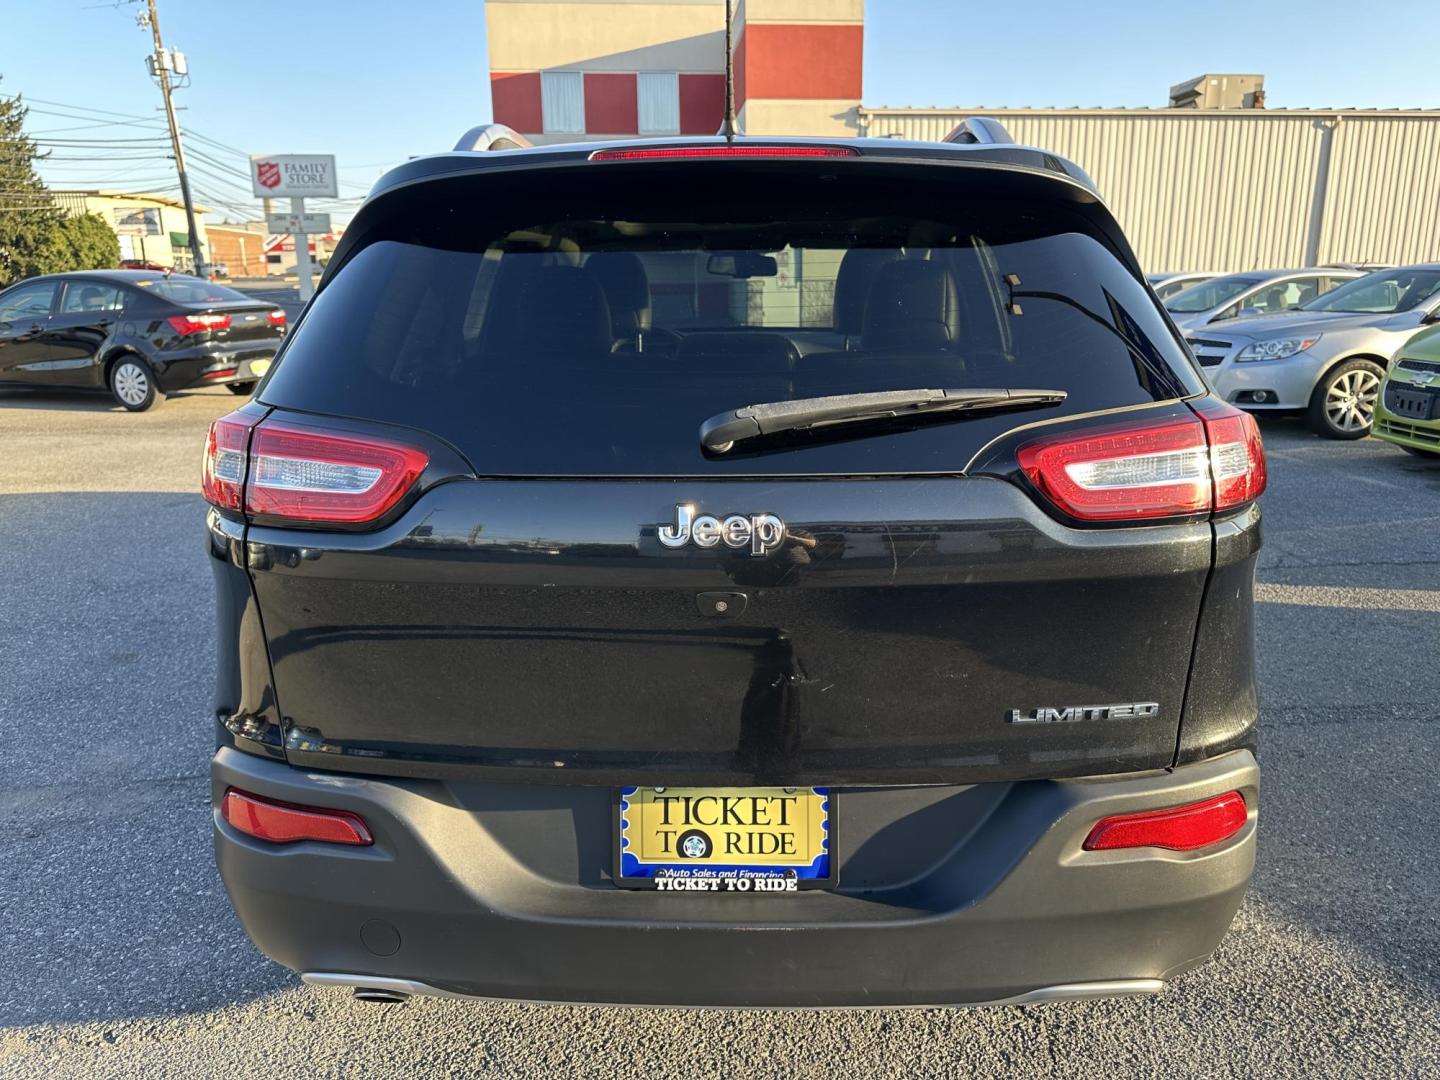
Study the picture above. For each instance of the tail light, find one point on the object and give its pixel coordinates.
(306, 475)
(285, 823)
(276, 317)
(1179, 828)
(727, 150)
(1172, 468)
(222, 473)
(196, 324)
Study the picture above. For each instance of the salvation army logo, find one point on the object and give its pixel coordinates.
(268, 173)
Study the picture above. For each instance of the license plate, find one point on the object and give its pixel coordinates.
(686, 839)
(259, 367)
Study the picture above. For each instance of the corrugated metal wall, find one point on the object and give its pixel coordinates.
(1241, 189)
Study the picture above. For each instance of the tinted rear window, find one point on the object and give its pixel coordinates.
(590, 328)
(192, 292)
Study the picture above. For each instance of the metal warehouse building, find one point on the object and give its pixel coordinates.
(1237, 189)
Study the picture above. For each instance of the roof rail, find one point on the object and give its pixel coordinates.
(979, 129)
(492, 137)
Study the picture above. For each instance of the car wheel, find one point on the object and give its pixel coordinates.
(1418, 452)
(1343, 404)
(132, 384)
(242, 389)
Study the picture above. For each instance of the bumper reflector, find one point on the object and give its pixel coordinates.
(285, 823)
(1179, 828)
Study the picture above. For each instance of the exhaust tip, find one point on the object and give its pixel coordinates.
(376, 993)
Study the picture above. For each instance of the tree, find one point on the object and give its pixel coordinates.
(82, 242)
(28, 216)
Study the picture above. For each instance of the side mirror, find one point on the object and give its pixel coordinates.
(1244, 311)
(1431, 317)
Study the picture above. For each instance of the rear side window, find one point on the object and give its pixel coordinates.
(592, 330)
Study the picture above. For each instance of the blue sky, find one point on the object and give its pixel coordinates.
(375, 81)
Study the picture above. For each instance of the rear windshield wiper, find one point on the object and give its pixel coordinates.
(724, 430)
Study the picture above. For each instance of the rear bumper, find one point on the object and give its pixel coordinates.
(948, 896)
(201, 366)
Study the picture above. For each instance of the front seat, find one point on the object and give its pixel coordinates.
(551, 311)
(913, 305)
(910, 337)
(622, 278)
(853, 282)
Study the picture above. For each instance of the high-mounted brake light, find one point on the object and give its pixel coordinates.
(285, 823)
(742, 150)
(1179, 828)
(222, 472)
(318, 475)
(1170, 468)
(276, 317)
(195, 324)
(303, 474)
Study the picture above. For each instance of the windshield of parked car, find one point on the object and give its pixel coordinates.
(1384, 292)
(190, 290)
(1210, 294)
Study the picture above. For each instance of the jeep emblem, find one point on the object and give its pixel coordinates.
(761, 533)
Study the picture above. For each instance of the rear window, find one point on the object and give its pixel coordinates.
(569, 329)
(190, 291)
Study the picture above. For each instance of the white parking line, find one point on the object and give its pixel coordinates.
(1341, 596)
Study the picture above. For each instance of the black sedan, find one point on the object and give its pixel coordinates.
(138, 333)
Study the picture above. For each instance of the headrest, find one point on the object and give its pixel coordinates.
(912, 304)
(858, 268)
(738, 352)
(621, 276)
(554, 309)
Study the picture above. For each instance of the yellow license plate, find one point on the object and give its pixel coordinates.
(259, 367)
(685, 839)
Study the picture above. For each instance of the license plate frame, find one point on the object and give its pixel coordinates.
(639, 869)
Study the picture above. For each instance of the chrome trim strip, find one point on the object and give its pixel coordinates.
(1083, 991)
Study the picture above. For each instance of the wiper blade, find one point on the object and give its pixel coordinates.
(724, 430)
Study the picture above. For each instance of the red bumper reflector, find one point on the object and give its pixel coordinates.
(1180, 828)
(223, 373)
(285, 823)
(742, 150)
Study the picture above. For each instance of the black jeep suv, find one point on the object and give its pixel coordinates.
(749, 573)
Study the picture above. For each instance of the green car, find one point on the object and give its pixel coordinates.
(1408, 412)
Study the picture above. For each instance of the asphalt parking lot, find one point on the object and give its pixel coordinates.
(119, 955)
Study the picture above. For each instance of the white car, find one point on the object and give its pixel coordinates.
(1256, 292)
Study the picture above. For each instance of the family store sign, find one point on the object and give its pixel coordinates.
(293, 175)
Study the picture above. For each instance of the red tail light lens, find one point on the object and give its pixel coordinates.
(222, 472)
(286, 823)
(315, 475)
(743, 150)
(276, 317)
(1159, 470)
(1237, 456)
(196, 324)
(1168, 469)
(1180, 828)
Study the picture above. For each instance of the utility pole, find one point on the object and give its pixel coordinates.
(161, 68)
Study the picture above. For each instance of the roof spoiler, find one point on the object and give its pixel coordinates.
(979, 129)
(493, 137)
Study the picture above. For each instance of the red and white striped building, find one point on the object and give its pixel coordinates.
(567, 70)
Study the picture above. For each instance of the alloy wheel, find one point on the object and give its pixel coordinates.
(131, 383)
(1350, 400)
